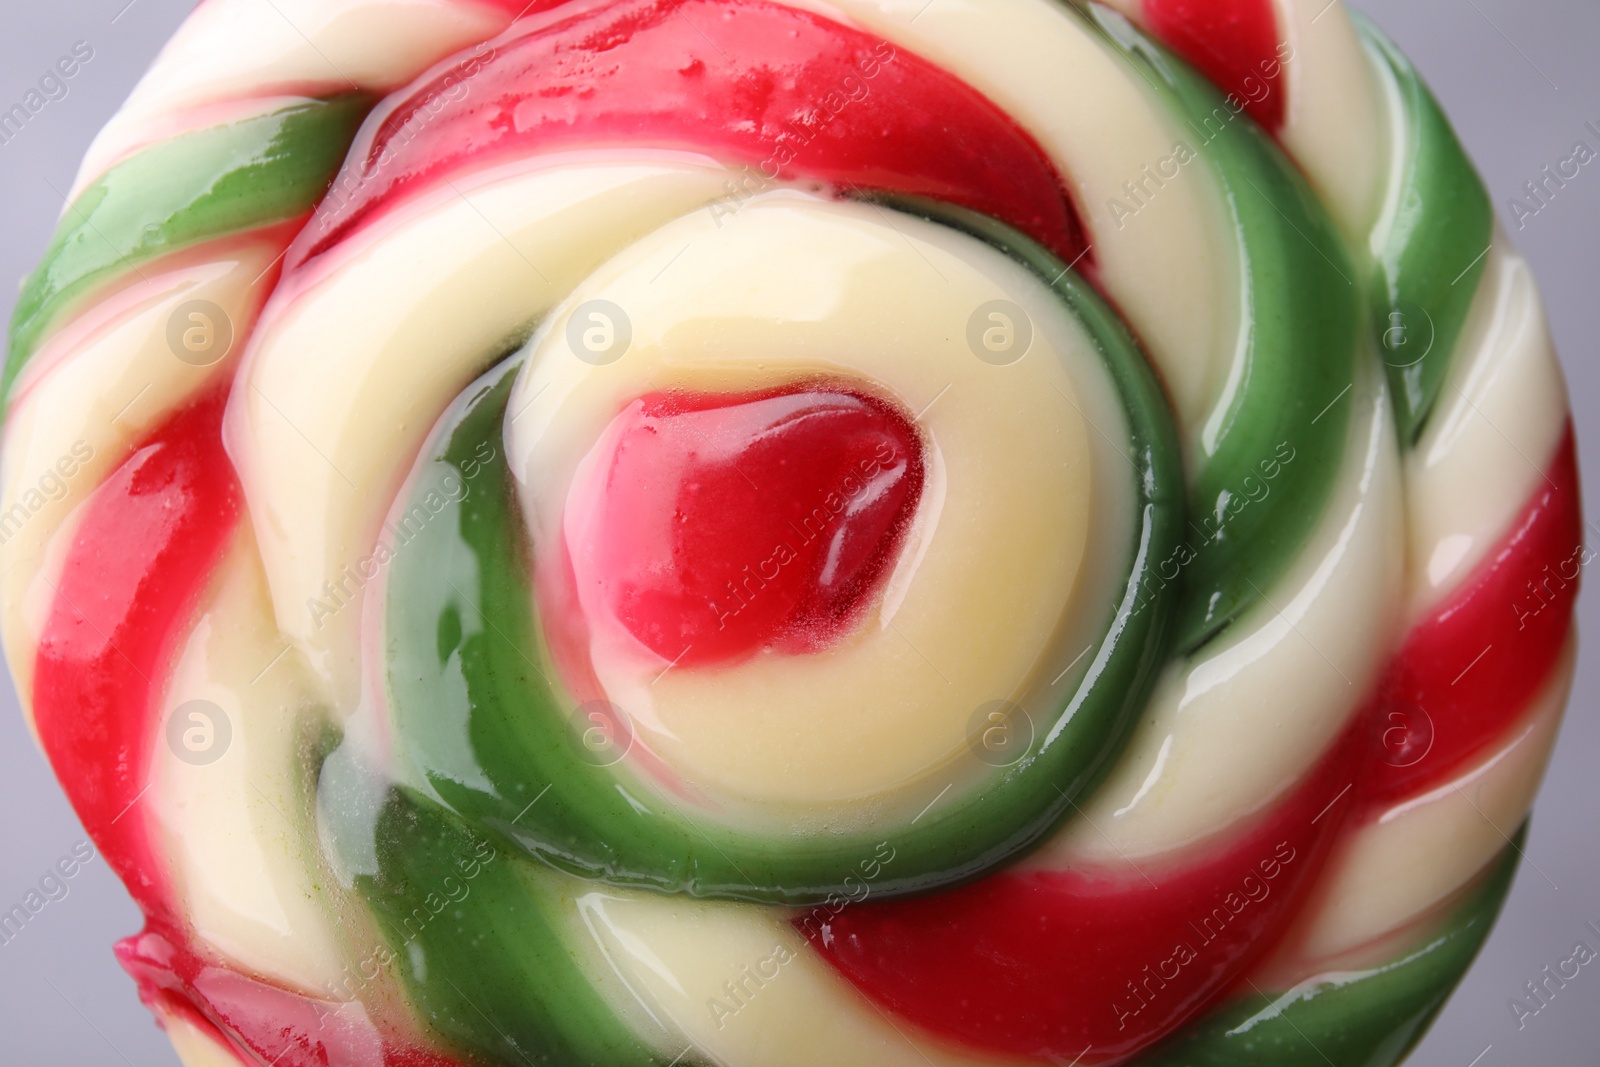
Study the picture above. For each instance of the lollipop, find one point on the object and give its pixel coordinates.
(726, 532)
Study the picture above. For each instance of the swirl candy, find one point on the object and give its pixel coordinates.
(623, 532)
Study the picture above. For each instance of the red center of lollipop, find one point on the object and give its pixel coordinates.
(726, 524)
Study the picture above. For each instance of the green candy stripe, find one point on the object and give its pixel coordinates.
(194, 188)
(1431, 259)
(475, 934)
(1300, 312)
(478, 934)
(1369, 1018)
(479, 716)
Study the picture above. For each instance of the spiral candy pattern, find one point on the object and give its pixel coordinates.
(627, 532)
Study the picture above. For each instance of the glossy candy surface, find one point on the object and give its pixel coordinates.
(663, 532)
(723, 525)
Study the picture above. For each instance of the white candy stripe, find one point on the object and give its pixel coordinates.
(1500, 417)
(793, 288)
(350, 368)
(1404, 861)
(196, 1047)
(1334, 121)
(244, 50)
(1228, 734)
(1172, 268)
(92, 392)
(1132, 10)
(251, 883)
(1333, 118)
(745, 989)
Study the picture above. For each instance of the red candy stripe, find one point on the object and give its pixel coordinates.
(132, 579)
(722, 524)
(1083, 962)
(144, 555)
(1470, 670)
(787, 93)
(1234, 43)
(283, 1028)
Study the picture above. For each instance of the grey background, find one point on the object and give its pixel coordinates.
(1520, 78)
